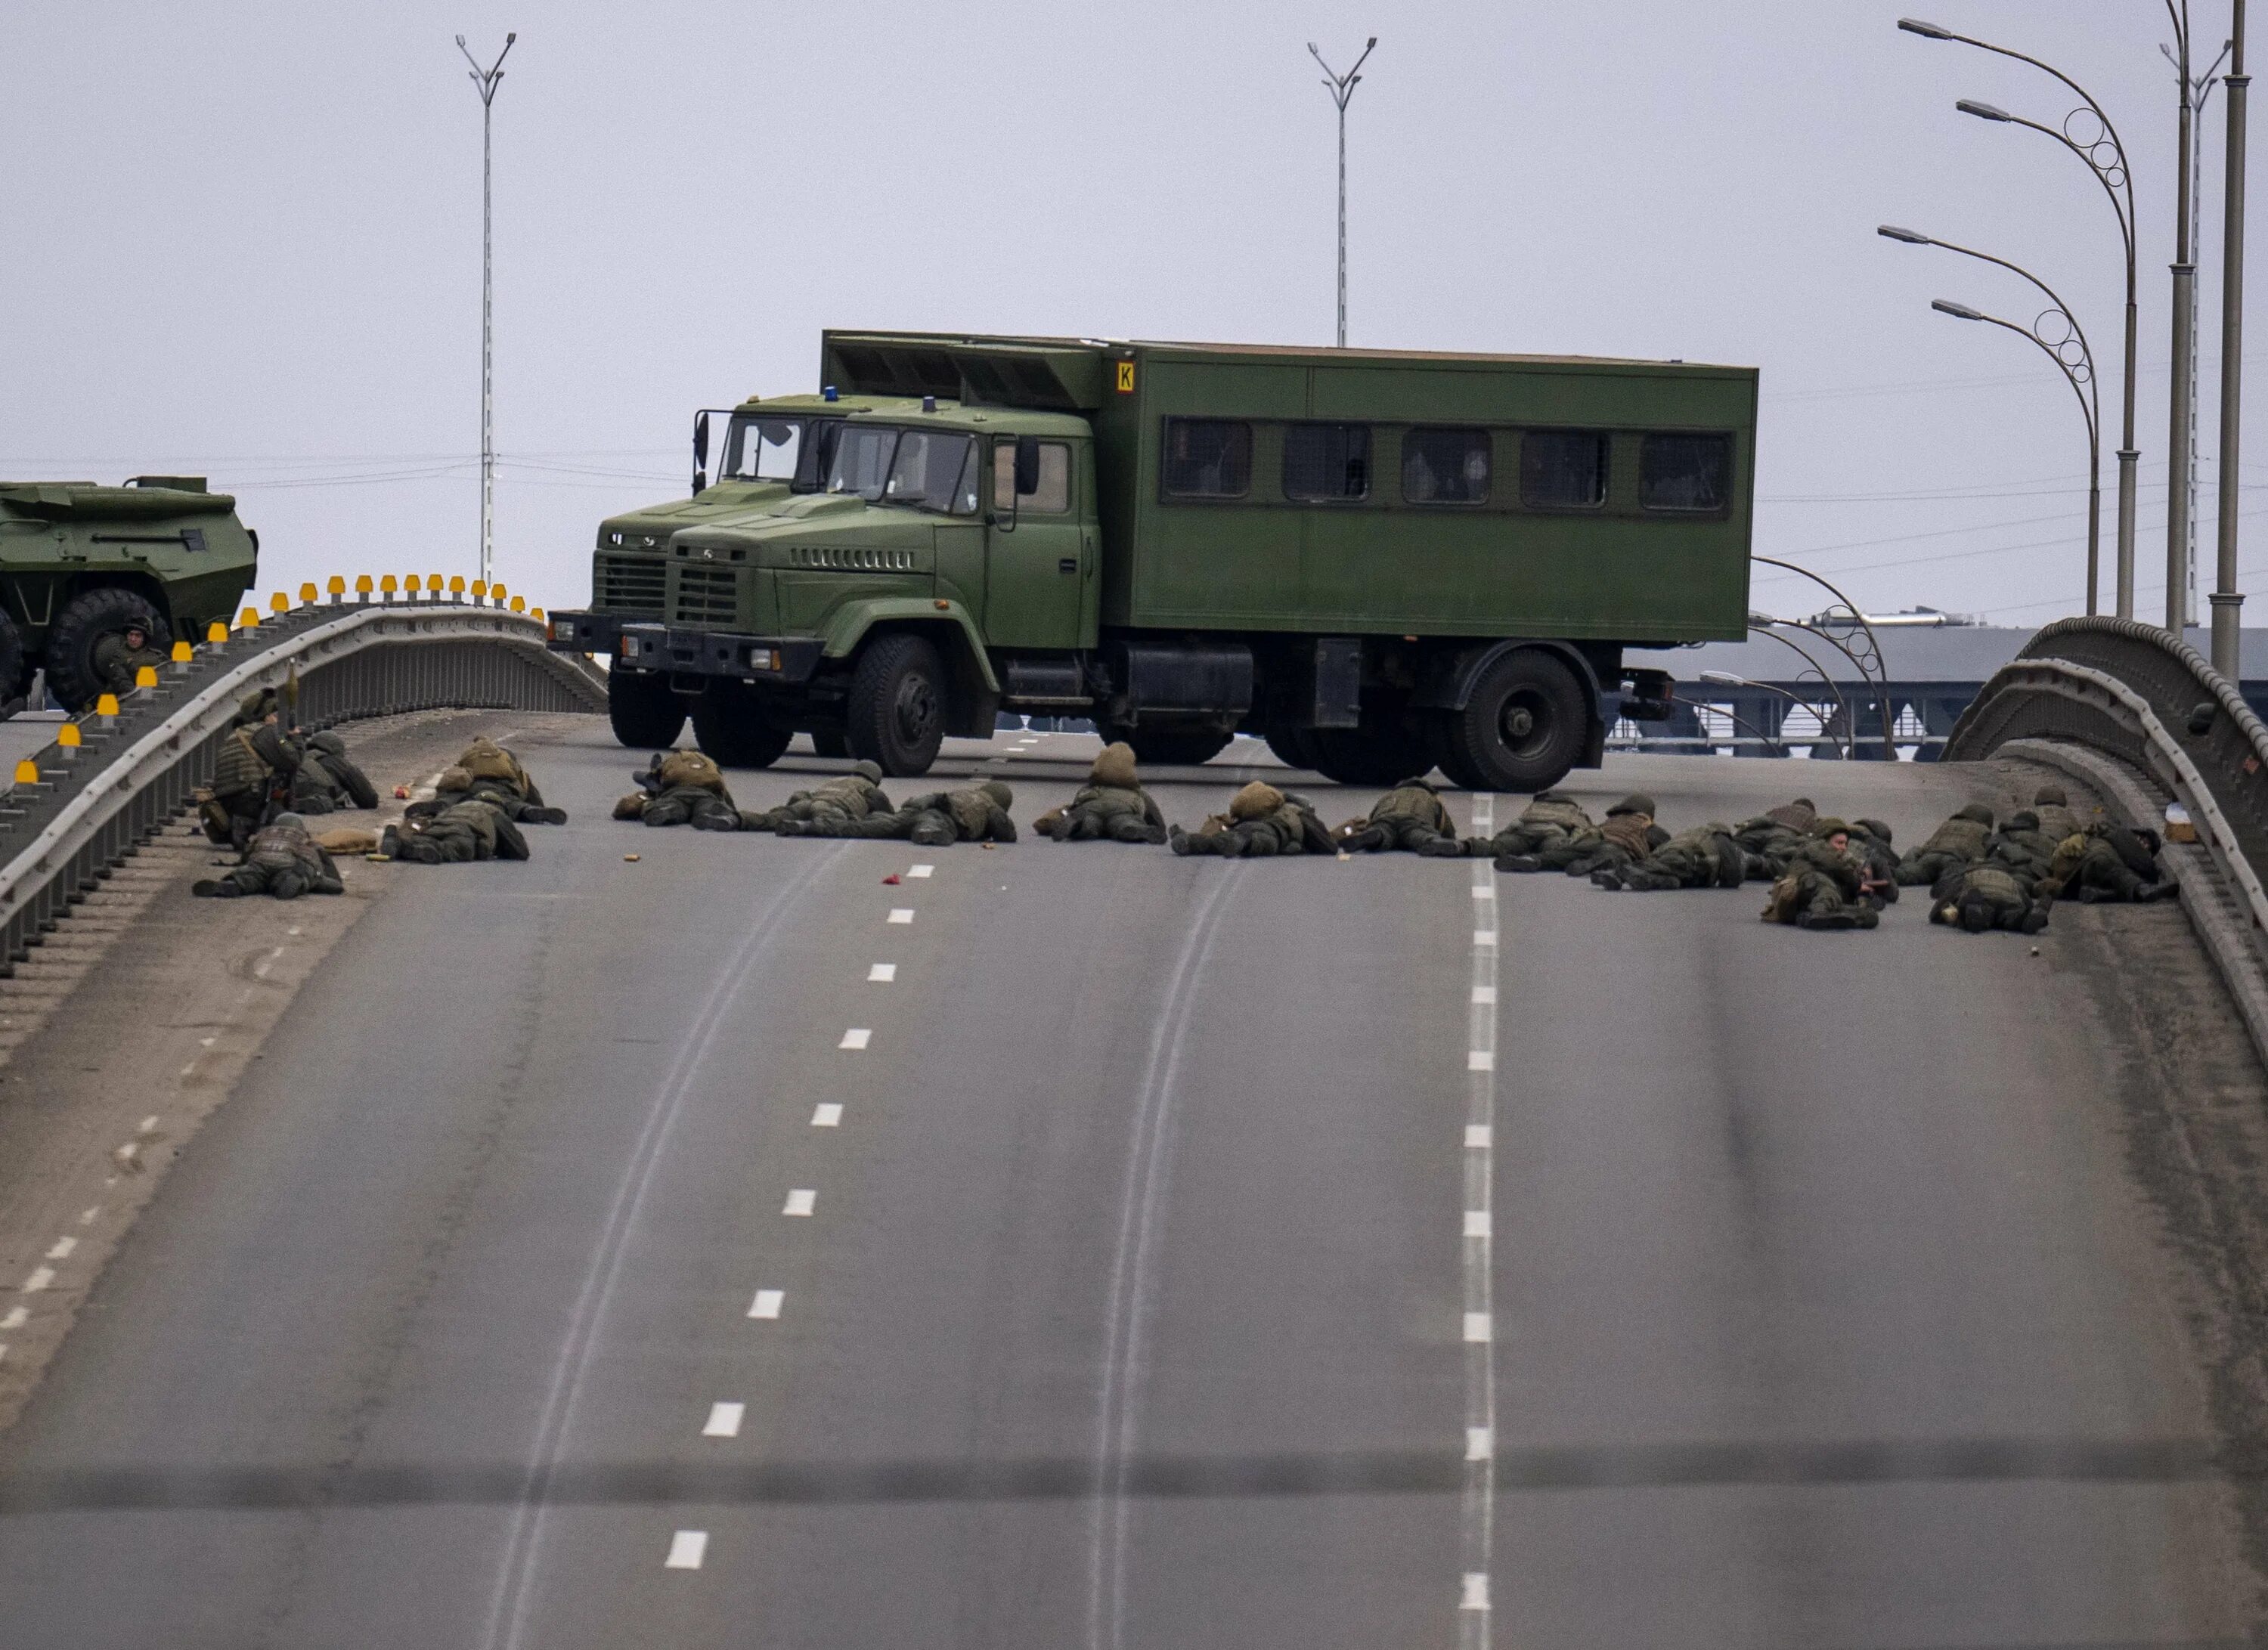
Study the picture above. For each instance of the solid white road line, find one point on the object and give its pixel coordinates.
(856, 1038)
(723, 1420)
(882, 973)
(827, 1114)
(768, 1303)
(1478, 1514)
(800, 1201)
(902, 915)
(686, 1549)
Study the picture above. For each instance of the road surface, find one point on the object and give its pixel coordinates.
(1080, 1246)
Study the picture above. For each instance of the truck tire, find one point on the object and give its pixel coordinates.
(1523, 729)
(1364, 756)
(644, 713)
(1169, 745)
(87, 618)
(729, 725)
(1294, 746)
(15, 673)
(895, 714)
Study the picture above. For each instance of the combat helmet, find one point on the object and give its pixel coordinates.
(870, 772)
(997, 790)
(1256, 800)
(1115, 768)
(1976, 813)
(1636, 802)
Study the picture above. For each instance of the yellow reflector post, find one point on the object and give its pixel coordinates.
(480, 588)
(280, 602)
(107, 704)
(182, 649)
(413, 583)
(519, 604)
(362, 584)
(68, 736)
(248, 620)
(457, 584)
(307, 593)
(216, 633)
(337, 587)
(146, 676)
(27, 772)
(535, 613)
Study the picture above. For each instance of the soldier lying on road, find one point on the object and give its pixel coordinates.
(1961, 841)
(489, 772)
(2109, 865)
(281, 860)
(1707, 857)
(459, 833)
(1772, 837)
(1628, 835)
(1411, 817)
(1981, 898)
(1870, 840)
(682, 787)
(327, 779)
(973, 814)
(1112, 804)
(1826, 886)
(1551, 818)
(1260, 821)
(2019, 845)
(2053, 810)
(845, 799)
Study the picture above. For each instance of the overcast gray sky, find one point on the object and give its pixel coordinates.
(244, 240)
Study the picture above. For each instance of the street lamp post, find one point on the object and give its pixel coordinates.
(1342, 89)
(2079, 371)
(2117, 180)
(484, 82)
(2226, 601)
(2180, 432)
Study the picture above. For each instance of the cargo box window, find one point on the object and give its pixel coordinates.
(1563, 469)
(1445, 466)
(1054, 497)
(1325, 462)
(1207, 458)
(1685, 472)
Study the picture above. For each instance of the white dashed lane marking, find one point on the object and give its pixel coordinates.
(1477, 1327)
(1477, 1520)
(922, 871)
(827, 1114)
(41, 1277)
(902, 915)
(17, 1316)
(148, 1126)
(88, 1217)
(1480, 1060)
(62, 1248)
(856, 1038)
(1478, 1445)
(686, 1549)
(882, 973)
(723, 1420)
(1484, 993)
(768, 1303)
(800, 1201)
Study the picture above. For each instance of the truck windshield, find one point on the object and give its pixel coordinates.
(927, 469)
(764, 450)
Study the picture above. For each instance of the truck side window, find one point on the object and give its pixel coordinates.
(1445, 466)
(1207, 458)
(1326, 462)
(1685, 472)
(1054, 497)
(1563, 469)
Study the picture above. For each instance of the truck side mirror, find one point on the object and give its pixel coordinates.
(1028, 466)
(700, 452)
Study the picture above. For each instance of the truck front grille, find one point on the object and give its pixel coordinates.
(706, 595)
(630, 585)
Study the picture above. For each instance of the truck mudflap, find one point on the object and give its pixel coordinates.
(583, 632)
(689, 652)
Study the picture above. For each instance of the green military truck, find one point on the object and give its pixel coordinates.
(80, 562)
(1381, 561)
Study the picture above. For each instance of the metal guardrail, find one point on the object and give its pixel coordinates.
(62, 833)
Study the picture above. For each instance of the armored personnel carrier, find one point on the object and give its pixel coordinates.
(79, 562)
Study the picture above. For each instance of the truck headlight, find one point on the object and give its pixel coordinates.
(763, 659)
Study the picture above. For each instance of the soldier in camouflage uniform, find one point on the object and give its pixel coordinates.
(327, 779)
(1626, 837)
(1824, 887)
(1411, 817)
(120, 656)
(1961, 841)
(972, 814)
(2019, 845)
(683, 787)
(281, 860)
(2109, 865)
(487, 771)
(1870, 843)
(459, 833)
(1979, 898)
(1772, 837)
(1260, 821)
(252, 772)
(845, 799)
(2053, 808)
(1552, 819)
(1112, 804)
(1706, 857)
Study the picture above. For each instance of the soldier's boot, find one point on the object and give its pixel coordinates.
(419, 850)
(1433, 846)
(1828, 921)
(208, 889)
(1866, 917)
(715, 819)
(2035, 921)
(1369, 840)
(1611, 880)
(287, 885)
(1517, 864)
(533, 815)
(389, 845)
(1183, 845)
(2152, 892)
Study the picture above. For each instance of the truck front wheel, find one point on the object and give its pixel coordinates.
(644, 713)
(1522, 728)
(729, 725)
(896, 713)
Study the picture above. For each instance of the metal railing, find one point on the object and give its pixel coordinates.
(75, 814)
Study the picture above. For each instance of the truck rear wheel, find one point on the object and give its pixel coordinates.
(1522, 728)
(1294, 746)
(729, 725)
(644, 713)
(1170, 745)
(15, 674)
(896, 713)
(78, 630)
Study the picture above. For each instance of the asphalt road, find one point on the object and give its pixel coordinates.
(1166, 1254)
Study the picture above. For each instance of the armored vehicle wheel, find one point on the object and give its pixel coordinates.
(1168, 744)
(1523, 728)
(729, 725)
(1364, 756)
(829, 742)
(645, 714)
(87, 618)
(1294, 746)
(15, 674)
(895, 715)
